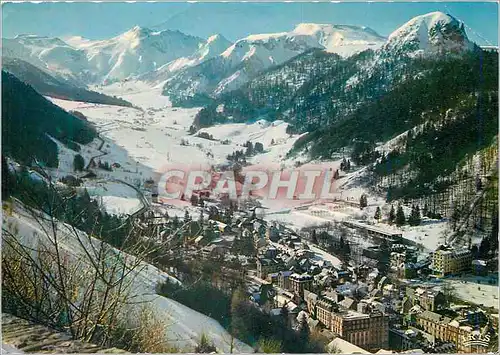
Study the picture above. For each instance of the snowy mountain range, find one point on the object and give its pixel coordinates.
(195, 66)
(135, 52)
(251, 55)
(425, 35)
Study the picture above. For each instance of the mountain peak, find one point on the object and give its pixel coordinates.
(430, 33)
(215, 44)
(428, 20)
(137, 32)
(138, 29)
(216, 37)
(313, 28)
(309, 28)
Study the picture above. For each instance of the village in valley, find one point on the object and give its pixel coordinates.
(361, 275)
(353, 273)
(362, 288)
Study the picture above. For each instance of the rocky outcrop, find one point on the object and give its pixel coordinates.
(22, 336)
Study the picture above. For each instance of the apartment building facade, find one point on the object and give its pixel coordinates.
(446, 261)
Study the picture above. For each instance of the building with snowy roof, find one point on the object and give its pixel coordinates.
(341, 346)
(446, 260)
(300, 282)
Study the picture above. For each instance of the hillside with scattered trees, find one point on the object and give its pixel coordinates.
(47, 85)
(29, 120)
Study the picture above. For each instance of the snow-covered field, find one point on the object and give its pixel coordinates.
(10, 349)
(323, 255)
(429, 234)
(115, 197)
(157, 135)
(185, 325)
(139, 93)
(470, 290)
(152, 138)
(271, 134)
(296, 220)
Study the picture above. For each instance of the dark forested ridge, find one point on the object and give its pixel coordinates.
(446, 115)
(210, 73)
(47, 85)
(28, 119)
(313, 89)
(366, 96)
(468, 84)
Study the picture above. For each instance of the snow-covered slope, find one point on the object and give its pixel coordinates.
(432, 33)
(345, 40)
(253, 54)
(276, 48)
(139, 51)
(154, 137)
(40, 50)
(214, 46)
(185, 324)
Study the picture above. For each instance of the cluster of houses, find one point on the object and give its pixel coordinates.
(430, 319)
(358, 309)
(340, 302)
(449, 261)
(367, 310)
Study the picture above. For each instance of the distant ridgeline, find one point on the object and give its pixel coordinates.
(51, 86)
(28, 119)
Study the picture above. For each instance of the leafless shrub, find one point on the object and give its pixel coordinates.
(144, 331)
(61, 277)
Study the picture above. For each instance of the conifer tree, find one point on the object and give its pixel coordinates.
(494, 233)
(249, 150)
(78, 163)
(415, 218)
(303, 330)
(400, 216)
(425, 210)
(259, 147)
(343, 164)
(187, 217)
(363, 201)
(392, 215)
(314, 238)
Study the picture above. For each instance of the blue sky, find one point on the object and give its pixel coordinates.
(233, 20)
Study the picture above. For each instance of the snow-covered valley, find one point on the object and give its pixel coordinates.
(156, 135)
